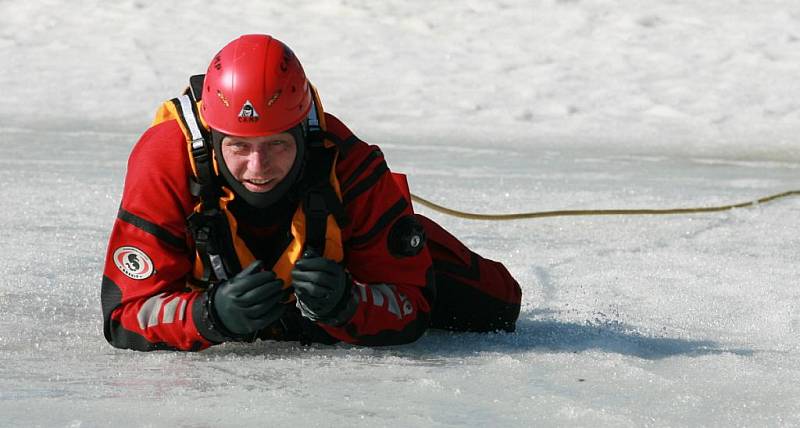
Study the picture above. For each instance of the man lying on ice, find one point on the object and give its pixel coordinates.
(251, 213)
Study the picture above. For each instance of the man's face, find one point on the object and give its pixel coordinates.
(259, 163)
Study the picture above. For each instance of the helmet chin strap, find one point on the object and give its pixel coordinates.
(263, 200)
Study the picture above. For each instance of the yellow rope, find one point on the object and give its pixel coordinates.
(564, 213)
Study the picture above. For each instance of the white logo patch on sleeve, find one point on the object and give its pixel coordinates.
(133, 262)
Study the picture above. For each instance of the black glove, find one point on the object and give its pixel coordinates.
(323, 290)
(246, 303)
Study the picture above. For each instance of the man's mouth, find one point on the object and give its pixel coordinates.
(259, 184)
(259, 181)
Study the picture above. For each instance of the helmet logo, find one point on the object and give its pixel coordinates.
(248, 113)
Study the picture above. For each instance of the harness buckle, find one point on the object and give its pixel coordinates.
(199, 152)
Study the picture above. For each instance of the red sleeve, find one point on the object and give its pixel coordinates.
(393, 292)
(146, 304)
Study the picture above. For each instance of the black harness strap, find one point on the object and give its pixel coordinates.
(196, 86)
(318, 197)
(209, 226)
(316, 223)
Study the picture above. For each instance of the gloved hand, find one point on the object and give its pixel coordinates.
(248, 302)
(323, 290)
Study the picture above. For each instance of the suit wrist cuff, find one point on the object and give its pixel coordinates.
(209, 325)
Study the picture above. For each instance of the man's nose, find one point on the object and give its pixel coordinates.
(258, 160)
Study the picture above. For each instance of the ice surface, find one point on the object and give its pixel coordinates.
(489, 106)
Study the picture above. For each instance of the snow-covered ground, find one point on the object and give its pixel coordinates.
(489, 106)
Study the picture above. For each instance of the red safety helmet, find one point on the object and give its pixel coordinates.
(255, 86)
